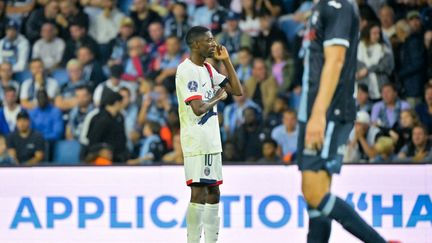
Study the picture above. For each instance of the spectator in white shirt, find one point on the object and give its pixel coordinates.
(14, 48)
(49, 48)
(106, 25)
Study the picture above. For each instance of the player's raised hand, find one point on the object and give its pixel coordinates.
(221, 53)
(315, 128)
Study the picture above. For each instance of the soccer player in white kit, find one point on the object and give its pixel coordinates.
(199, 88)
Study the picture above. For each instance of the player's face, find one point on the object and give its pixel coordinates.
(207, 45)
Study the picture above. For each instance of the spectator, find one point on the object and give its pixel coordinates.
(249, 22)
(157, 46)
(375, 60)
(175, 156)
(6, 79)
(269, 152)
(92, 68)
(244, 67)
(362, 98)
(274, 118)
(286, 136)
(118, 46)
(38, 17)
(70, 13)
(100, 155)
(25, 145)
(78, 38)
(419, 149)
(5, 158)
(273, 7)
(106, 125)
(361, 140)
(229, 152)
(401, 133)
(384, 148)
(211, 15)
(84, 106)
(137, 62)
(49, 48)
(66, 99)
(9, 111)
(143, 16)
(14, 48)
(413, 66)
(233, 113)
(165, 66)
(39, 80)
(18, 10)
(232, 37)
(262, 87)
(386, 15)
(177, 24)
(152, 147)
(282, 66)
(105, 26)
(114, 83)
(386, 112)
(155, 106)
(428, 45)
(424, 110)
(268, 34)
(46, 118)
(130, 112)
(248, 137)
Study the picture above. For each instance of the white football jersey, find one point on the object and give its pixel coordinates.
(198, 134)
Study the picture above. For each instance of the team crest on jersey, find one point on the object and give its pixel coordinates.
(207, 171)
(192, 86)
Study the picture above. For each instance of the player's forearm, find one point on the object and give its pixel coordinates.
(235, 85)
(206, 106)
(329, 80)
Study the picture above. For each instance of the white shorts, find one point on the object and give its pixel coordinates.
(204, 169)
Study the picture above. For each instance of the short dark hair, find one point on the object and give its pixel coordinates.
(84, 87)
(194, 33)
(271, 141)
(245, 49)
(390, 85)
(36, 60)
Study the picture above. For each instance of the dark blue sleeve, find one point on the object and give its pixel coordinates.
(337, 20)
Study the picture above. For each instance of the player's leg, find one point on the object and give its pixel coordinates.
(319, 224)
(211, 218)
(195, 213)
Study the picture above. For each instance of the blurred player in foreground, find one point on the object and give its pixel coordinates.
(199, 88)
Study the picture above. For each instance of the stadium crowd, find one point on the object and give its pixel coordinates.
(96, 78)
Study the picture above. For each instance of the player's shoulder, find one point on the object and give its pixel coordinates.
(336, 5)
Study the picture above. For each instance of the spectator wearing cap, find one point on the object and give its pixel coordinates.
(49, 47)
(143, 16)
(361, 140)
(6, 79)
(106, 125)
(262, 87)
(375, 60)
(14, 47)
(118, 45)
(78, 38)
(9, 111)
(232, 37)
(46, 118)
(104, 27)
(84, 105)
(70, 13)
(286, 135)
(66, 99)
(385, 113)
(39, 81)
(413, 61)
(177, 24)
(362, 98)
(92, 68)
(38, 17)
(25, 145)
(419, 149)
(211, 15)
(268, 34)
(424, 110)
(114, 83)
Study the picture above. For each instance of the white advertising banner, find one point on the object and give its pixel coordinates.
(148, 204)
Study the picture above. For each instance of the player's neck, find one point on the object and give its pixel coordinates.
(197, 59)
